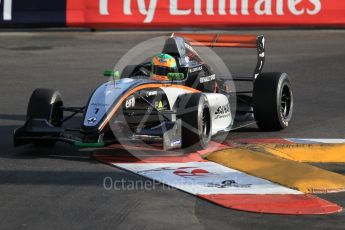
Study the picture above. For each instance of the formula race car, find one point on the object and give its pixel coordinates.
(175, 98)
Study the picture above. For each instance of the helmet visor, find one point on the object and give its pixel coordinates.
(162, 70)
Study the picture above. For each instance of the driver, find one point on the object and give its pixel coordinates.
(162, 64)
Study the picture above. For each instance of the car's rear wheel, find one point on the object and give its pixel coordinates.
(194, 112)
(272, 101)
(46, 104)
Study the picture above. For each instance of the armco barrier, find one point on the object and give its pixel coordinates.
(171, 13)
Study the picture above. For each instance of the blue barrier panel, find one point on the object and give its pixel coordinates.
(32, 13)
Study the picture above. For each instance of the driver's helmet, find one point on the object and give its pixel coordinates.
(162, 64)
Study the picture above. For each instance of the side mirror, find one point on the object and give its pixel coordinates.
(175, 76)
(112, 73)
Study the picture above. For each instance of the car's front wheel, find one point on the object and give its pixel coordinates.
(194, 112)
(46, 104)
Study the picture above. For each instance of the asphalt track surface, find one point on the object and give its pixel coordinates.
(62, 188)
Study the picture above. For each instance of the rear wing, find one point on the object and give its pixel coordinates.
(230, 41)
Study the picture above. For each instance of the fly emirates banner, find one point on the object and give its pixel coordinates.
(204, 13)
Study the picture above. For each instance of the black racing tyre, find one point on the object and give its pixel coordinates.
(272, 101)
(194, 112)
(128, 71)
(46, 104)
